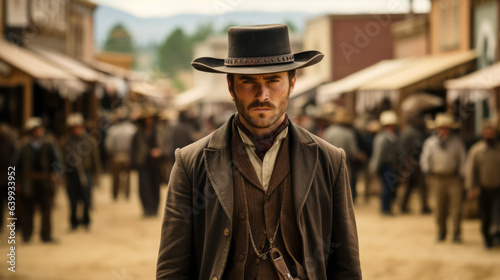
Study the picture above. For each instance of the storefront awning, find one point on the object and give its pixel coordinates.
(305, 84)
(71, 65)
(334, 90)
(45, 73)
(189, 97)
(421, 69)
(30, 63)
(477, 85)
(419, 74)
(218, 93)
(111, 69)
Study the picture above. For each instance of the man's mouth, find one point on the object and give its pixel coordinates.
(261, 109)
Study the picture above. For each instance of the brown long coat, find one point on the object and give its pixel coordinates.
(196, 231)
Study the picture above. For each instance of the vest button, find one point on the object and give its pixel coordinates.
(262, 246)
(241, 258)
(226, 232)
(214, 278)
(257, 261)
(243, 216)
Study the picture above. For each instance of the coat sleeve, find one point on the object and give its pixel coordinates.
(175, 258)
(343, 262)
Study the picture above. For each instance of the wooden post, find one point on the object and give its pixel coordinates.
(28, 100)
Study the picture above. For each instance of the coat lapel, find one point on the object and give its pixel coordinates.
(217, 157)
(304, 160)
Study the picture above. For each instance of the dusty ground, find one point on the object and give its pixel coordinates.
(123, 246)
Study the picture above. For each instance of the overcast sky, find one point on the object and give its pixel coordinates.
(160, 8)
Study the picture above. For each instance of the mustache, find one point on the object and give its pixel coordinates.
(258, 104)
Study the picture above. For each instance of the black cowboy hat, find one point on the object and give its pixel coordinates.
(258, 49)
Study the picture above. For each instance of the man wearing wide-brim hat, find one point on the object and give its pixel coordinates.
(482, 180)
(384, 158)
(36, 164)
(118, 144)
(443, 162)
(260, 198)
(342, 134)
(147, 153)
(82, 165)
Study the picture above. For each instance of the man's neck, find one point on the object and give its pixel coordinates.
(261, 132)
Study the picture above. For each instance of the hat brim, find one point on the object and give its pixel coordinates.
(433, 125)
(216, 65)
(388, 123)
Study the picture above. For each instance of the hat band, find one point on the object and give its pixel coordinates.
(245, 61)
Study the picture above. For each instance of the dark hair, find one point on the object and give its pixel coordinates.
(291, 74)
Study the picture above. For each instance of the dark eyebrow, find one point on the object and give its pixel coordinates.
(266, 78)
(246, 78)
(273, 77)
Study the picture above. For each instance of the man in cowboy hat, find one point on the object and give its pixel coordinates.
(443, 162)
(342, 135)
(118, 144)
(482, 175)
(412, 138)
(260, 198)
(36, 164)
(384, 159)
(148, 150)
(81, 159)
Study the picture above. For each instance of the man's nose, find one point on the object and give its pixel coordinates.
(262, 93)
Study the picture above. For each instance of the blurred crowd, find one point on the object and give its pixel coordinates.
(416, 153)
(390, 156)
(140, 138)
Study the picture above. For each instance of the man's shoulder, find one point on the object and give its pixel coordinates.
(478, 147)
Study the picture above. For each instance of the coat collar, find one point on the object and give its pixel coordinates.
(217, 158)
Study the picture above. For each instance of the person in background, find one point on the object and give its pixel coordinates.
(382, 163)
(368, 136)
(7, 152)
(36, 166)
(412, 138)
(118, 143)
(165, 120)
(146, 155)
(81, 159)
(482, 175)
(443, 163)
(183, 132)
(342, 135)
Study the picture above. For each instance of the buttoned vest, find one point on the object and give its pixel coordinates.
(259, 212)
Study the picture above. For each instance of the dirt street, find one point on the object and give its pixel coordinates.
(122, 245)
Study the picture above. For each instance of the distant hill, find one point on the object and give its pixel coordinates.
(154, 30)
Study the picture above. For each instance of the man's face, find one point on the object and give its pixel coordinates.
(489, 133)
(443, 132)
(38, 132)
(78, 130)
(262, 99)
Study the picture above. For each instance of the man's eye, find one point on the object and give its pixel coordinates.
(247, 81)
(274, 81)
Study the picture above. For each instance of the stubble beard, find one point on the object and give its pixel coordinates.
(260, 121)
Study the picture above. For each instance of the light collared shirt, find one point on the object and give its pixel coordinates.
(119, 138)
(263, 168)
(446, 158)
